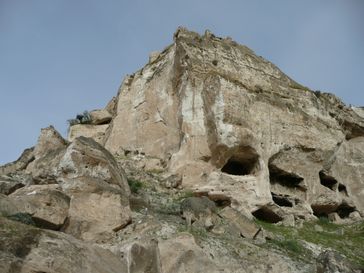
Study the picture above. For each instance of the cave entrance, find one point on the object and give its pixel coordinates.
(282, 200)
(243, 162)
(289, 180)
(327, 181)
(344, 210)
(267, 215)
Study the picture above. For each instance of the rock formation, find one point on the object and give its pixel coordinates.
(229, 121)
(205, 117)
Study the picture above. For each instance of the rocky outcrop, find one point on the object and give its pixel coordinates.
(96, 132)
(207, 132)
(27, 249)
(47, 204)
(216, 113)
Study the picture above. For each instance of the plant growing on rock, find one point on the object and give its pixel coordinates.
(84, 118)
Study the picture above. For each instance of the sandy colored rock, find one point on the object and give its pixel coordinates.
(142, 257)
(97, 209)
(222, 109)
(28, 249)
(12, 182)
(20, 164)
(47, 204)
(100, 117)
(182, 255)
(96, 132)
(245, 226)
(47, 152)
(85, 157)
(7, 206)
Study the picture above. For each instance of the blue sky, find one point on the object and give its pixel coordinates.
(61, 57)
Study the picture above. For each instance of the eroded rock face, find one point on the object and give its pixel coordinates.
(183, 255)
(207, 105)
(27, 249)
(47, 204)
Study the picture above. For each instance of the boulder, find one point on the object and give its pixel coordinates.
(239, 223)
(27, 249)
(200, 210)
(85, 157)
(97, 209)
(141, 256)
(100, 117)
(47, 204)
(12, 182)
(96, 132)
(181, 254)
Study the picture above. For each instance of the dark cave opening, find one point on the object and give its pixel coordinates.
(284, 178)
(243, 162)
(267, 215)
(327, 180)
(281, 200)
(342, 189)
(344, 210)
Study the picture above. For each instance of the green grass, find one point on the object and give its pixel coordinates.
(345, 239)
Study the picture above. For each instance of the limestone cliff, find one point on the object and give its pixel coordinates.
(229, 121)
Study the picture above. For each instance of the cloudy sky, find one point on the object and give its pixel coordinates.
(61, 57)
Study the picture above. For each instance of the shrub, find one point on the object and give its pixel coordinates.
(135, 185)
(84, 118)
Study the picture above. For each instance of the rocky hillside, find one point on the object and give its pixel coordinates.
(209, 159)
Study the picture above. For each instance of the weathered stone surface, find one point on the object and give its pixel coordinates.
(27, 249)
(96, 132)
(182, 255)
(47, 152)
(141, 257)
(47, 204)
(100, 117)
(20, 164)
(7, 206)
(330, 261)
(200, 210)
(97, 209)
(12, 182)
(208, 105)
(85, 157)
(245, 226)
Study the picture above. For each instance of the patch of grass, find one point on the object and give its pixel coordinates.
(345, 239)
(296, 85)
(155, 171)
(135, 185)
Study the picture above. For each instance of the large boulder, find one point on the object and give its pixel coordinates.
(85, 157)
(27, 249)
(100, 117)
(97, 209)
(47, 204)
(182, 255)
(98, 189)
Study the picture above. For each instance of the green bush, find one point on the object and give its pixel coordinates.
(84, 118)
(135, 185)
